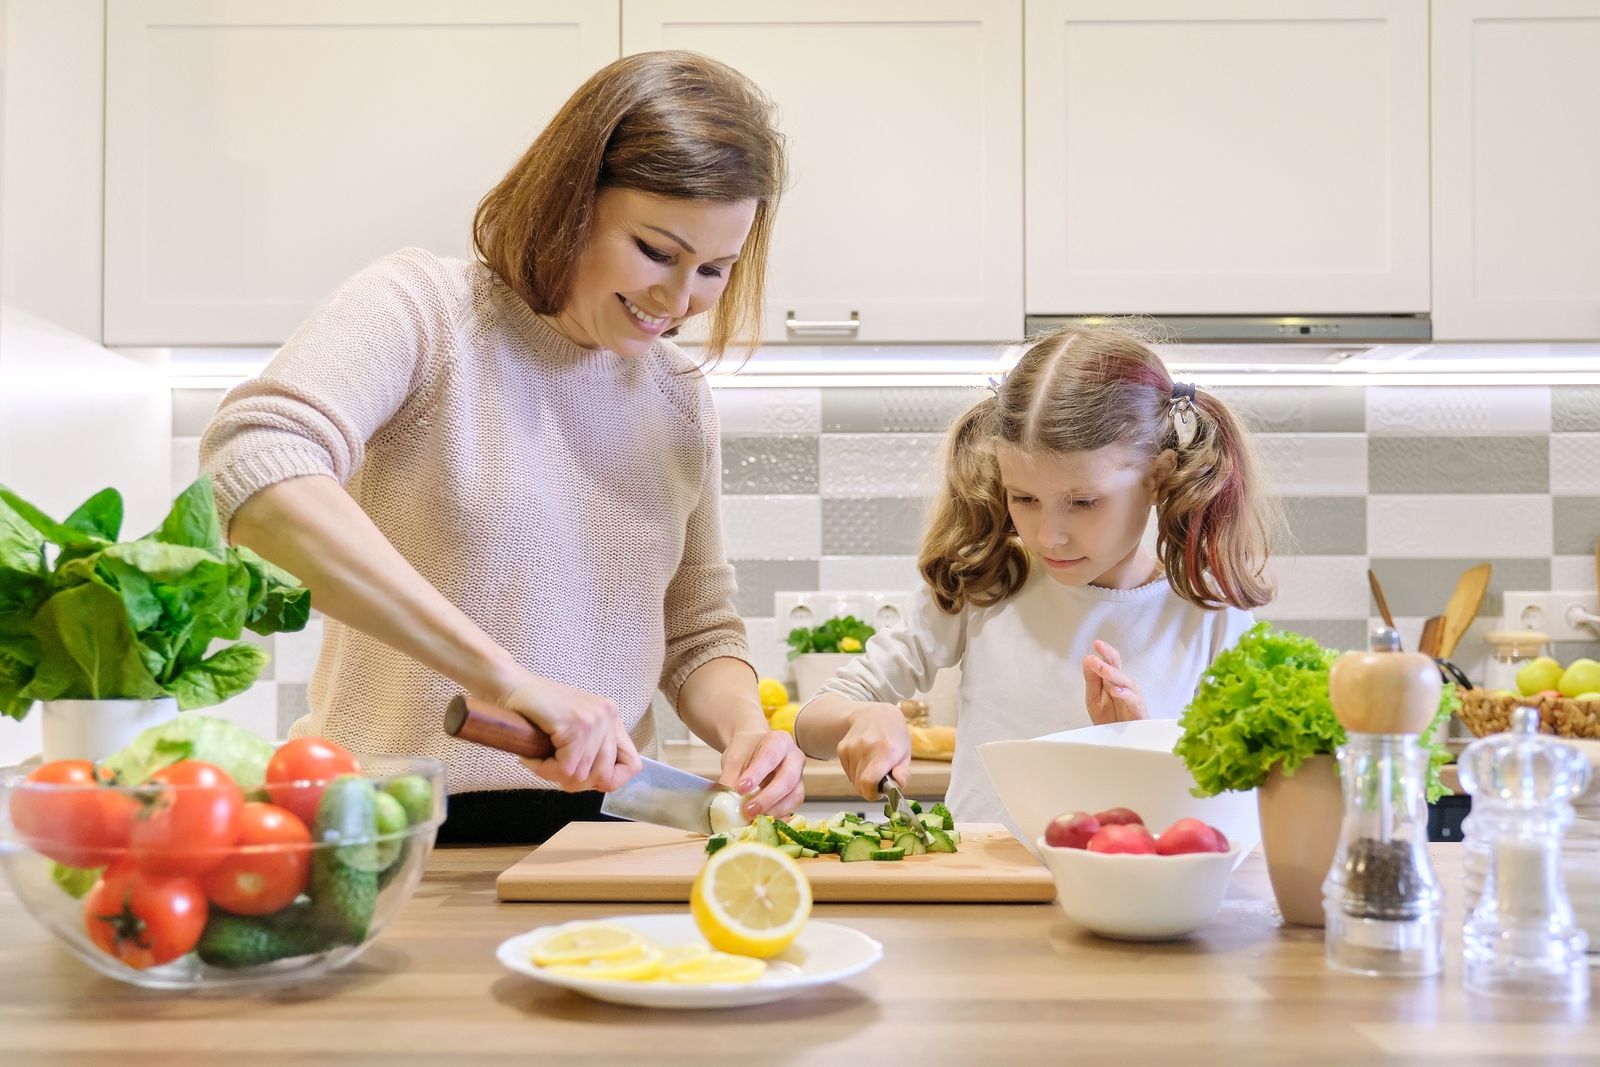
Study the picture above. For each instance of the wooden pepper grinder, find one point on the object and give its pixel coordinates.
(1381, 900)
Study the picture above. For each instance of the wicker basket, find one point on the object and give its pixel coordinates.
(1486, 713)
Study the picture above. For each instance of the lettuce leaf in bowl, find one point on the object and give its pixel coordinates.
(216, 741)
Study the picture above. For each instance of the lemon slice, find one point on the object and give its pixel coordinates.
(718, 969)
(678, 956)
(588, 941)
(750, 900)
(638, 966)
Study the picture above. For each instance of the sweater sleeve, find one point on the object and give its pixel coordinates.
(897, 663)
(700, 620)
(345, 373)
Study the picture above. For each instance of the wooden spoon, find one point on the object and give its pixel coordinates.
(1383, 605)
(1463, 608)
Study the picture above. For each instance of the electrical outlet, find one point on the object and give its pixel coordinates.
(1561, 615)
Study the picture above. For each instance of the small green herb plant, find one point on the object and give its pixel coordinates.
(1264, 702)
(84, 616)
(843, 634)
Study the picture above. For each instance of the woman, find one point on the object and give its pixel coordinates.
(499, 477)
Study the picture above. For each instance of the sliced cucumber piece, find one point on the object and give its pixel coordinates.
(792, 850)
(765, 832)
(931, 821)
(911, 845)
(941, 810)
(939, 840)
(888, 854)
(716, 841)
(916, 807)
(808, 853)
(785, 830)
(861, 848)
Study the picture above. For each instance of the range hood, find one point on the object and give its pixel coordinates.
(1259, 329)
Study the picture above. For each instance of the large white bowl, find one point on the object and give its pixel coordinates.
(1119, 765)
(1138, 897)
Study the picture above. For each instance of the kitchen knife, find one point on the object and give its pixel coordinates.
(658, 794)
(895, 804)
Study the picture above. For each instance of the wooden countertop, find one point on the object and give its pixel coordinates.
(824, 779)
(1011, 983)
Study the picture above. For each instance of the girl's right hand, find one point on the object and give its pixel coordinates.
(593, 749)
(877, 743)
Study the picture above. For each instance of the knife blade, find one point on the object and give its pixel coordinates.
(895, 804)
(658, 794)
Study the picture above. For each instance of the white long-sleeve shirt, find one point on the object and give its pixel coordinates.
(1022, 664)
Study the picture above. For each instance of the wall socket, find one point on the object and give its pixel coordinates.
(1561, 615)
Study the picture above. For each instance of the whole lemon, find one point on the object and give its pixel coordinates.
(773, 695)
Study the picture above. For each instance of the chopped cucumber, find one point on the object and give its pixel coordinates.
(916, 807)
(911, 845)
(939, 840)
(931, 821)
(861, 848)
(808, 853)
(716, 841)
(785, 830)
(765, 832)
(941, 810)
(888, 853)
(792, 850)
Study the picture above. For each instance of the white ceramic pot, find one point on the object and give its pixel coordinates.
(94, 729)
(813, 669)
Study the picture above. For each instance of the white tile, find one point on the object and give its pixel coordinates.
(20, 740)
(185, 462)
(295, 654)
(255, 709)
(1314, 464)
(852, 573)
(1457, 410)
(1574, 573)
(772, 527)
(879, 464)
(1317, 587)
(768, 652)
(1575, 464)
(759, 411)
(1449, 525)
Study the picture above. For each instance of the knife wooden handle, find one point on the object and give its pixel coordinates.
(488, 724)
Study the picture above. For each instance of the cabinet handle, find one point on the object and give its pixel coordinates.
(851, 325)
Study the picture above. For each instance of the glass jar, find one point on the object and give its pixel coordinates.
(1509, 652)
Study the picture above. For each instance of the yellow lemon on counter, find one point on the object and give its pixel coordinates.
(773, 694)
(638, 966)
(750, 900)
(585, 942)
(718, 968)
(783, 718)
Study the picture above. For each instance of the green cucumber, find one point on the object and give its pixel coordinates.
(808, 853)
(344, 861)
(916, 807)
(940, 810)
(765, 832)
(240, 941)
(888, 854)
(939, 841)
(717, 841)
(791, 850)
(785, 830)
(911, 845)
(861, 848)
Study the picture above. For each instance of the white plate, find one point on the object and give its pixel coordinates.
(823, 953)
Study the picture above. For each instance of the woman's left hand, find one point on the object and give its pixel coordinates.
(1111, 696)
(768, 763)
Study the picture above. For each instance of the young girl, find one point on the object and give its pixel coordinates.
(1037, 584)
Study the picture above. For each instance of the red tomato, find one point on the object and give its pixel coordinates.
(189, 823)
(300, 768)
(70, 817)
(141, 919)
(269, 867)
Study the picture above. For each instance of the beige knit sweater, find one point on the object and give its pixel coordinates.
(566, 499)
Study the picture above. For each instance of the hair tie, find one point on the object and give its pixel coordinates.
(1183, 391)
(1185, 419)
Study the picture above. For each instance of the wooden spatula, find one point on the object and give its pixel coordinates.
(1432, 633)
(1383, 605)
(1463, 608)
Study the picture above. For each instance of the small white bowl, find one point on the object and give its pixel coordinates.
(1138, 897)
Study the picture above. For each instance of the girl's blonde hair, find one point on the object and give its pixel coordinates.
(1078, 390)
(671, 124)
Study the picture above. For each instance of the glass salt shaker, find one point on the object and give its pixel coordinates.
(1521, 940)
(1381, 900)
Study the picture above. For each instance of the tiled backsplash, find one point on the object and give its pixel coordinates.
(827, 488)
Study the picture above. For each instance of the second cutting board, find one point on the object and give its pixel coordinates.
(636, 863)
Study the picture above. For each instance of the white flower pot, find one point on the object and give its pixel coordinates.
(94, 729)
(812, 669)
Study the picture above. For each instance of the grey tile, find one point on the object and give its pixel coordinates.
(769, 465)
(1574, 408)
(1342, 634)
(1423, 586)
(1281, 409)
(1567, 651)
(926, 409)
(1458, 464)
(872, 526)
(759, 578)
(1324, 526)
(192, 409)
(291, 706)
(1577, 524)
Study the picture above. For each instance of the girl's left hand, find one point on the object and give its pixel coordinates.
(770, 760)
(1111, 695)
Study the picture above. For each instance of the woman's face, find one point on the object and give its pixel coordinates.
(651, 263)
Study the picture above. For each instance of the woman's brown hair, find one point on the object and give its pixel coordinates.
(1078, 390)
(671, 124)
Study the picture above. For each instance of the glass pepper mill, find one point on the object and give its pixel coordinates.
(1520, 939)
(1380, 899)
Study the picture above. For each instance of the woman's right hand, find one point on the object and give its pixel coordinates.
(593, 749)
(877, 743)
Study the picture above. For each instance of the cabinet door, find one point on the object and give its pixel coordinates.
(1227, 156)
(1516, 170)
(259, 151)
(903, 220)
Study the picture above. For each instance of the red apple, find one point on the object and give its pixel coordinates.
(1071, 831)
(1190, 835)
(1131, 837)
(1119, 817)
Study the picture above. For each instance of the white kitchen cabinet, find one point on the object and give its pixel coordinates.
(1227, 156)
(1516, 170)
(903, 221)
(259, 151)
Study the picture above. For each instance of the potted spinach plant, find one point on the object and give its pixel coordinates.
(1261, 719)
(818, 652)
(111, 636)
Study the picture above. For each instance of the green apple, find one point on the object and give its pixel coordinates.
(1582, 676)
(1542, 673)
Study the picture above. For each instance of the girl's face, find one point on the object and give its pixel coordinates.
(650, 263)
(1081, 514)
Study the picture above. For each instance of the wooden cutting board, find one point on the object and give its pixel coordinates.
(637, 863)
